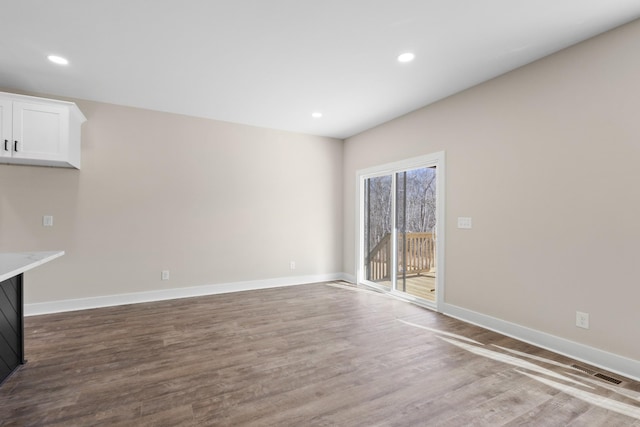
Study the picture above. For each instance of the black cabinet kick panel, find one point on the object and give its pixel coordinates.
(11, 326)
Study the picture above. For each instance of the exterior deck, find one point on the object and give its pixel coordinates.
(416, 259)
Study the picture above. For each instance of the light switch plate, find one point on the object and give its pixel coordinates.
(464, 222)
(47, 221)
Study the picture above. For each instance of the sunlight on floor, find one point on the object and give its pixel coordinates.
(525, 367)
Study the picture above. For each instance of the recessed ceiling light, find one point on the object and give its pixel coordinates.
(58, 60)
(406, 57)
(316, 115)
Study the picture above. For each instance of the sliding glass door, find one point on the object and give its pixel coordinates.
(399, 214)
(416, 226)
(378, 229)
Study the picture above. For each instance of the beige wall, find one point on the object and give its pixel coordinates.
(212, 202)
(546, 161)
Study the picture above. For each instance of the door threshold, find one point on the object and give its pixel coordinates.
(400, 296)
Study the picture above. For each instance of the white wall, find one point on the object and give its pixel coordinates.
(545, 160)
(212, 202)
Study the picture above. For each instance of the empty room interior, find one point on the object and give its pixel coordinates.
(320, 213)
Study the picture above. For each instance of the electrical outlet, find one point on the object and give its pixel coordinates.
(582, 320)
(47, 221)
(292, 265)
(165, 275)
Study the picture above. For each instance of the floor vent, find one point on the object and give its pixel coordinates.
(597, 374)
(608, 378)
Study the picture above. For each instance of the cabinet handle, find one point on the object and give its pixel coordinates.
(15, 146)
(6, 148)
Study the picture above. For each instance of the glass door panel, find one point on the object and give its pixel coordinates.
(416, 225)
(378, 226)
(400, 207)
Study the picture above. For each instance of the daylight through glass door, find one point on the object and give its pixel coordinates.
(416, 225)
(378, 223)
(399, 232)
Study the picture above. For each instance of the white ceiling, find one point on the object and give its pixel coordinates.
(271, 63)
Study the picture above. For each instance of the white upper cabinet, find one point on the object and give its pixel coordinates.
(39, 131)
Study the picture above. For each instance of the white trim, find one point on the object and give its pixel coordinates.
(35, 309)
(611, 362)
(440, 228)
(394, 231)
(435, 159)
(348, 278)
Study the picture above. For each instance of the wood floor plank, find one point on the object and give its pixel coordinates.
(312, 355)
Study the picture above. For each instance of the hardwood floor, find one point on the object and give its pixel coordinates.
(312, 355)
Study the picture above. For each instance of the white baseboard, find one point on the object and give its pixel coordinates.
(175, 293)
(624, 366)
(348, 278)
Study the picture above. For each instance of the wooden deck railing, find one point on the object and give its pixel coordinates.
(380, 259)
(419, 252)
(416, 252)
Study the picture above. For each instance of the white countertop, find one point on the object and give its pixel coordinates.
(12, 264)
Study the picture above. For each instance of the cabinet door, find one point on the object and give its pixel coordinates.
(5, 128)
(40, 131)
